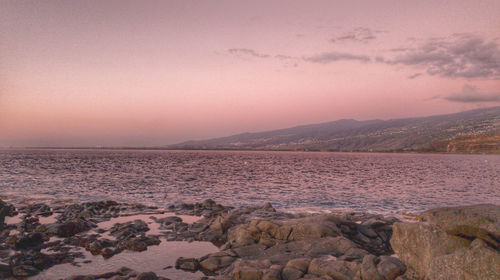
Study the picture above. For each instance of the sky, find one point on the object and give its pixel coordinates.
(149, 73)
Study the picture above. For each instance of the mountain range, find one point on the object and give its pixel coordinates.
(474, 131)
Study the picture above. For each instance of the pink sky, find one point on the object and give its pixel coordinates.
(142, 73)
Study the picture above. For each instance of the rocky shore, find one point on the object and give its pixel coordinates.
(253, 242)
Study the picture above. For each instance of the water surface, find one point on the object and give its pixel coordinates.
(294, 181)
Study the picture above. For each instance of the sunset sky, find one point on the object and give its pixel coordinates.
(144, 73)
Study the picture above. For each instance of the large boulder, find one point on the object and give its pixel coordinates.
(272, 232)
(445, 246)
(475, 221)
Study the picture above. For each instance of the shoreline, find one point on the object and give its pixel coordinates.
(239, 243)
(247, 150)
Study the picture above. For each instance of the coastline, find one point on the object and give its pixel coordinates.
(208, 240)
(421, 151)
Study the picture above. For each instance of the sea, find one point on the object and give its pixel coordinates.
(385, 183)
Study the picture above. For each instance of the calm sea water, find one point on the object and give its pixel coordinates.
(293, 181)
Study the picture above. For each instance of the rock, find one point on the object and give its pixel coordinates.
(30, 240)
(417, 244)
(484, 216)
(168, 220)
(5, 271)
(6, 209)
(124, 271)
(250, 269)
(273, 273)
(440, 247)
(300, 264)
(476, 221)
(124, 230)
(217, 261)
(479, 261)
(381, 268)
(147, 276)
(390, 268)
(69, 228)
(295, 268)
(189, 264)
(81, 277)
(341, 270)
(39, 209)
(290, 273)
(369, 269)
(24, 271)
(271, 232)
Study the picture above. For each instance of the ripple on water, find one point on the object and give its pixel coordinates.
(289, 180)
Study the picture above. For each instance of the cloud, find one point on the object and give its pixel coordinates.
(361, 34)
(471, 94)
(248, 52)
(328, 57)
(458, 56)
(416, 75)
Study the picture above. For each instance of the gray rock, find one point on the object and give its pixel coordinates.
(440, 247)
(188, 264)
(484, 216)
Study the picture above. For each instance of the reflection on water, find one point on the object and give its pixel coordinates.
(155, 259)
(159, 259)
(386, 183)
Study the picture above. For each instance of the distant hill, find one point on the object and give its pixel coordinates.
(474, 131)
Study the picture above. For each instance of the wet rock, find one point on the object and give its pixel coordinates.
(38, 209)
(96, 247)
(147, 276)
(24, 271)
(30, 240)
(81, 277)
(107, 253)
(168, 220)
(6, 210)
(138, 244)
(100, 210)
(5, 271)
(29, 223)
(125, 230)
(69, 228)
(189, 264)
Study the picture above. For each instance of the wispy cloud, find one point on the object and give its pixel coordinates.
(458, 56)
(414, 76)
(360, 34)
(247, 52)
(471, 94)
(328, 57)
